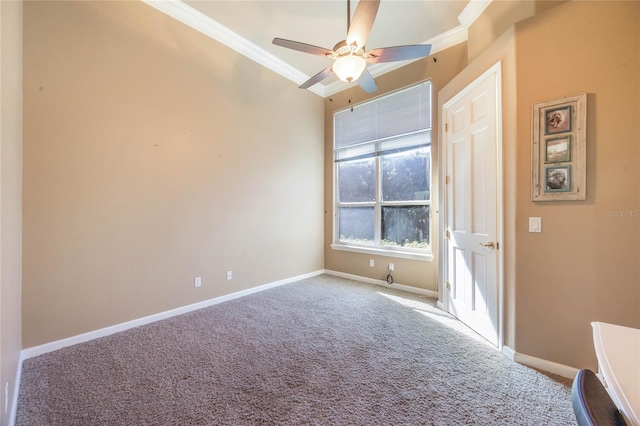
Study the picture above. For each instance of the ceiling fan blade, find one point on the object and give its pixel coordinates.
(316, 78)
(362, 22)
(398, 53)
(367, 83)
(302, 47)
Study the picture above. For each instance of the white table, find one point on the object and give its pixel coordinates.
(618, 352)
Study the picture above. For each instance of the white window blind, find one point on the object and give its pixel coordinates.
(393, 122)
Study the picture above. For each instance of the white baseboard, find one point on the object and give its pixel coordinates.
(509, 353)
(407, 288)
(540, 364)
(85, 337)
(16, 390)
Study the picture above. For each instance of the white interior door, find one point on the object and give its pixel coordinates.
(471, 205)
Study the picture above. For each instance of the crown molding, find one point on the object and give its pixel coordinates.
(215, 30)
(472, 11)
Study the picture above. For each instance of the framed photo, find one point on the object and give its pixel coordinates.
(557, 179)
(558, 150)
(557, 120)
(558, 160)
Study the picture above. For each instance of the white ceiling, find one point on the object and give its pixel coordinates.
(249, 26)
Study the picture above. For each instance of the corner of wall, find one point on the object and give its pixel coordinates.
(10, 207)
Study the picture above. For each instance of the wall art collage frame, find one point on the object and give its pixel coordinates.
(559, 149)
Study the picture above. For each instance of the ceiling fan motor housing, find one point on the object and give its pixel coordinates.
(342, 49)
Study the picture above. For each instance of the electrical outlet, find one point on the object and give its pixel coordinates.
(391, 267)
(371, 263)
(229, 275)
(198, 281)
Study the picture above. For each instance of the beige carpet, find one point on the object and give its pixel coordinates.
(322, 351)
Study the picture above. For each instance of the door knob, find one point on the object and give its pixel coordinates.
(490, 245)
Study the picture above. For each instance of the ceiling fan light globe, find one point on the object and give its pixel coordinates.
(349, 68)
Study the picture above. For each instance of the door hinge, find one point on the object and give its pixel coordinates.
(446, 127)
(446, 180)
(447, 234)
(448, 285)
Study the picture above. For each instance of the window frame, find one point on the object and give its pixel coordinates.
(424, 254)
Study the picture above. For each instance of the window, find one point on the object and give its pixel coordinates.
(382, 154)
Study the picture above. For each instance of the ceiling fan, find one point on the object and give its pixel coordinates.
(350, 58)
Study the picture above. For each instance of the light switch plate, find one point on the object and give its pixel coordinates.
(535, 224)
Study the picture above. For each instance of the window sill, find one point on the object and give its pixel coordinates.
(426, 257)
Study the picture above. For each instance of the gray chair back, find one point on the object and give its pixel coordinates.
(592, 404)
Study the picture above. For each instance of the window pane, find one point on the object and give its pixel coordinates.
(405, 175)
(406, 226)
(355, 224)
(357, 181)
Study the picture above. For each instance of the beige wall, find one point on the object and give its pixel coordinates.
(421, 274)
(584, 266)
(498, 17)
(152, 155)
(10, 198)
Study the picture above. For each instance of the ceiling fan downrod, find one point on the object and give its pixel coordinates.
(348, 15)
